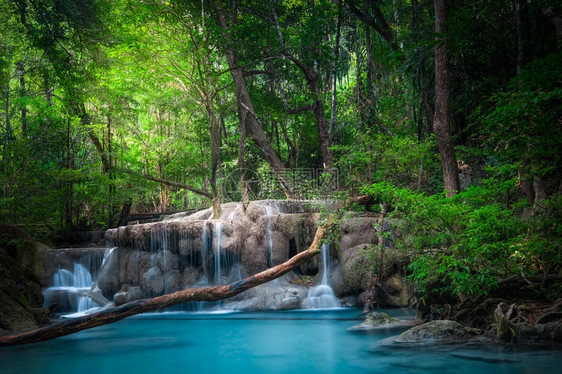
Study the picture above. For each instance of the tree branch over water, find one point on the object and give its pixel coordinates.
(214, 293)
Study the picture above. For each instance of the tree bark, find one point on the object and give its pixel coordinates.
(124, 216)
(442, 96)
(246, 113)
(116, 314)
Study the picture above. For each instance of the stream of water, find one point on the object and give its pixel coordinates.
(274, 342)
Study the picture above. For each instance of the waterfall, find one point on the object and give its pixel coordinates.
(322, 296)
(218, 232)
(70, 289)
(206, 246)
(269, 214)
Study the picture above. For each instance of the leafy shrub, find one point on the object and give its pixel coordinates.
(466, 245)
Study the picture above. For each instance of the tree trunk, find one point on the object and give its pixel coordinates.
(323, 134)
(246, 113)
(125, 211)
(116, 314)
(441, 118)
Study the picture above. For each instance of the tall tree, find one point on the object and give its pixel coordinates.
(246, 114)
(441, 126)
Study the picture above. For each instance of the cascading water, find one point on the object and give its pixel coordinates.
(218, 258)
(322, 296)
(70, 289)
(198, 250)
(269, 215)
(206, 246)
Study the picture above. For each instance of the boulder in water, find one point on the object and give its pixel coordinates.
(435, 332)
(375, 320)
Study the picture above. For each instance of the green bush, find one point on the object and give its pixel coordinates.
(466, 245)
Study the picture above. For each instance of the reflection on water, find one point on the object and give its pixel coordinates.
(272, 342)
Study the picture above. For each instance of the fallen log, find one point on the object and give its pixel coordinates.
(116, 314)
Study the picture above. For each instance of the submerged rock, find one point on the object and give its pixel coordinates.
(435, 332)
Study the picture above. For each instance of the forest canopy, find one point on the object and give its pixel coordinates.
(449, 113)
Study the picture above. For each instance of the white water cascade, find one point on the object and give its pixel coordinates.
(70, 289)
(218, 258)
(269, 214)
(322, 296)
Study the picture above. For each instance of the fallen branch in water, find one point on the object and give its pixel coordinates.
(116, 314)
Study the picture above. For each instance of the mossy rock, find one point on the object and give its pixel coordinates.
(21, 265)
(376, 320)
(28, 253)
(437, 332)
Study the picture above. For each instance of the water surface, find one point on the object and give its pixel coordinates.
(270, 342)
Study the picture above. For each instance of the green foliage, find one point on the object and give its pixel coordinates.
(97, 93)
(466, 245)
(525, 121)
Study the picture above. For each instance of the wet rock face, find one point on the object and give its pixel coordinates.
(279, 294)
(369, 265)
(188, 251)
(21, 260)
(128, 294)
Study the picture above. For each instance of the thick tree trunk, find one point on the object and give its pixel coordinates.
(323, 134)
(124, 216)
(441, 118)
(245, 106)
(216, 293)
